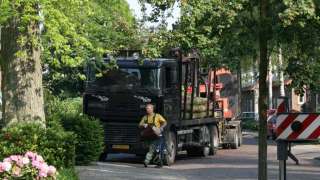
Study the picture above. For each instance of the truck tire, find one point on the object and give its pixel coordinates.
(204, 149)
(214, 140)
(235, 143)
(198, 151)
(171, 148)
(103, 157)
(240, 136)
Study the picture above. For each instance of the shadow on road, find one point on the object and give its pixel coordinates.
(248, 140)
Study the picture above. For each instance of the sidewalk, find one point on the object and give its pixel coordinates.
(307, 153)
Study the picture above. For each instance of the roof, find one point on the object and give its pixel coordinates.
(148, 63)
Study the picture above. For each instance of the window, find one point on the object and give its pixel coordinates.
(171, 76)
(129, 77)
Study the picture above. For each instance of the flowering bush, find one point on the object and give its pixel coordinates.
(53, 143)
(29, 166)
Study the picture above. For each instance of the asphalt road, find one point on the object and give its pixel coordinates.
(241, 164)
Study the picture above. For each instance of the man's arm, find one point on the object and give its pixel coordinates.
(142, 124)
(163, 122)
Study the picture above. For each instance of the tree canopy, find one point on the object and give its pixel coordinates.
(74, 32)
(71, 38)
(226, 33)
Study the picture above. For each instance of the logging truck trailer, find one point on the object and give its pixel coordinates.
(195, 124)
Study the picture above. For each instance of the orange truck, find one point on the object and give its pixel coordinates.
(223, 83)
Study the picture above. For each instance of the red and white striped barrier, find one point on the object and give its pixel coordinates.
(298, 126)
(281, 105)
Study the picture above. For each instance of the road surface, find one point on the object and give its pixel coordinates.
(240, 164)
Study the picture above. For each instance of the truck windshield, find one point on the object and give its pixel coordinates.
(130, 78)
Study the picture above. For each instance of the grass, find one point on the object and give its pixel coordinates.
(67, 174)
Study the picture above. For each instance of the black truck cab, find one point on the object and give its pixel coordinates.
(119, 96)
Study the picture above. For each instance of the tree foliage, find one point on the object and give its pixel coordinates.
(226, 33)
(74, 31)
(299, 31)
(89, 30)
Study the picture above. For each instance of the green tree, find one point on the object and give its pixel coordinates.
(55, 39)
(298, 31)
(96, 28)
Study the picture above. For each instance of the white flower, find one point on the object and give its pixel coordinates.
(25, 160)
(6, 166)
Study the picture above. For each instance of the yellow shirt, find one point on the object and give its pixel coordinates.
(158, 120)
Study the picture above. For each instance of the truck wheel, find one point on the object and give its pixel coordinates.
(205, 151)
(214, 140)
(198, 151)
(171, 147)
(240, 136)
(235, 143)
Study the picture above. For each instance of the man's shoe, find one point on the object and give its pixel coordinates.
(145, 164)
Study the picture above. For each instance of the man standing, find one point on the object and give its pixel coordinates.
(152, 120)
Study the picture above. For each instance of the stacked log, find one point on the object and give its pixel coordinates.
(199, 107)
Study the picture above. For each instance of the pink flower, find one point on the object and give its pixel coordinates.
(39, 158)
(20, 161)
(7, 160)
(14, 158)
(1, 167)
(15, 165)
(44, 168)
(6, 166)
(25, 160)
(42, 174)
(36, 164)
(30, 155)
(51, 171)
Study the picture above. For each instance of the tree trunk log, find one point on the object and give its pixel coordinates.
(21, 75)
(263, 89)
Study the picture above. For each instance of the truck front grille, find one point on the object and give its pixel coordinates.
(121, 133)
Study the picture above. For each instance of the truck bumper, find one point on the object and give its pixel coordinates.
(137, 148)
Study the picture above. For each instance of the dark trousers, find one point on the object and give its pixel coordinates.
(156, 147)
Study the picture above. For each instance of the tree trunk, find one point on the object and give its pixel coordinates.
(282, 90)
(21, 75)
(239, 78)
(263, 90)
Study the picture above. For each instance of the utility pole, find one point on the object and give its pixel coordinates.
(263, 89)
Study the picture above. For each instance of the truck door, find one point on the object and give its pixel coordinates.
(171, 93)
